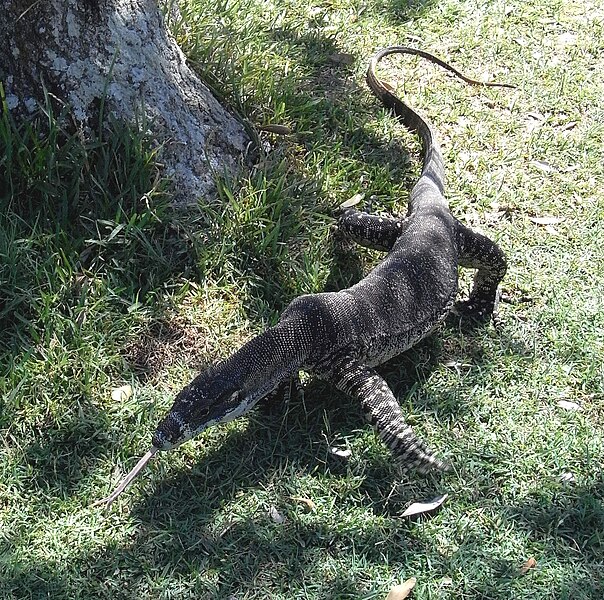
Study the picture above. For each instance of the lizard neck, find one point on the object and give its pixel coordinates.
(266, 360)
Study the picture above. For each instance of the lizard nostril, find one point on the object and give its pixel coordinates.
(168, 432)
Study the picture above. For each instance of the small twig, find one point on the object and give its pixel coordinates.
(28, 9)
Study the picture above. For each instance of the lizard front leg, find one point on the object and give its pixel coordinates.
(278, 399)
(371, 231)
(477, 251)
(382, 410)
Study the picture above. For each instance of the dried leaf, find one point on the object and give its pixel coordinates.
(121, 394)
(547, 220)
(352, 201)
(551, 230)
(420, 508)
(342, 58)
(277, 129)
(307, 501)
(531, 563)
(455, 364)
(398, 592)
(534, 120)
(276, 516)
(340, 452)
(537, 116)
(544, 166)
(566, 405)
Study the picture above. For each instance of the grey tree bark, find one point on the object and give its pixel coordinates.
(118, 54)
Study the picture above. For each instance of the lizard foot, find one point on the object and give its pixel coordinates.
(477, 310)
(423, 463)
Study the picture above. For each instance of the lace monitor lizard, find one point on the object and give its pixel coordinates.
(341, 336)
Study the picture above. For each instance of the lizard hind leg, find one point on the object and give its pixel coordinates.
(477, 251)
(371, 231)
(383, 411)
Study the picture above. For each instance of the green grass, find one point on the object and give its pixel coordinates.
(102, 284)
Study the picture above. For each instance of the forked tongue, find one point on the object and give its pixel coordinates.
(140, 465)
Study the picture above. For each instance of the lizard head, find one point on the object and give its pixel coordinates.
(232, 387)
(211, 398)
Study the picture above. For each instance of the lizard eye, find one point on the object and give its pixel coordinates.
(204, 411)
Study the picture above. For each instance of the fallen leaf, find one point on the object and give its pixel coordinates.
(340, 452)
(398, 592)
(531, 563)
(568, 126)
(455, 364)
(352, 201)
(544, 166)
(495, 216)
(419, 508)
(566, 405)
(547, 220)
(277, 129)
(307, 501)
(121, 393)
(276, 516)
(551, 230)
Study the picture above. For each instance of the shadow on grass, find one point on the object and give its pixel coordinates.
(176, 533)
(180, 537)
(61, 456)
(567, 518)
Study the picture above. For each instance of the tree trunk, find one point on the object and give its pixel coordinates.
(118, 55)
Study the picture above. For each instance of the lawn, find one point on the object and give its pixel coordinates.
(103, 284)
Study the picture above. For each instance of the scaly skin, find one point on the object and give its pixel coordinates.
(341, 336)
